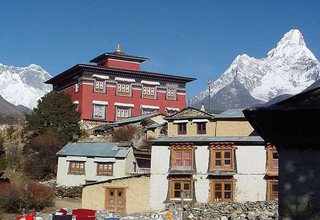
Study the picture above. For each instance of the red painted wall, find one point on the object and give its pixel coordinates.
(119, 64)
(85, 96)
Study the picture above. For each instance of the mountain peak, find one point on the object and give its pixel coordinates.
(291, 44)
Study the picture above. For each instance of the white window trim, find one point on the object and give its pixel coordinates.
(104, 160)
(124, 79)
(180, 121)
(100, 76)
(71, 158)
(124, 104)
(172, 109)
(99, 102)
(76, 102)
(150, 83)
(200, 120)
(150, 107)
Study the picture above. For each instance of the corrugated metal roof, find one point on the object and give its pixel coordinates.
(96, 149)
(248, 139)
(135, 119)
(231, 113)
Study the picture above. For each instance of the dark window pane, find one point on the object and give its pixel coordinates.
(187, 186)
(227, 195)
(218, 186)
(274, 187)
(119, 194)
(177, 186)
(227, 186)
(218, 154)
(275, 155)
(227, 162)
(177, 194)
(186, 194)
(227, 155)
(111, 193)
(218, 162)
(217, 195)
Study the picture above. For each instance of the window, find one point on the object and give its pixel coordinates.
(105, 169)
(99, 111)
(182, 157)
(123, 89)
(272, 186)
(123, 112)
(182, 128)
(201, 128)
(76, 87)
(146, 111)
(181, 188)
(222, 157)
(99, 86)
(222, 190)
(76, 167)
(149, 92)
(171, 93)
(273, 159)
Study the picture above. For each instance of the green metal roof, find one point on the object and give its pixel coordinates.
(96, 149)
(231, 113)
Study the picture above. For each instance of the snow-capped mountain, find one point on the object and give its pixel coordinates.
(289, 68)
(23, 85)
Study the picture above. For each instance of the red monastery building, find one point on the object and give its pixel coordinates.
(116, 88)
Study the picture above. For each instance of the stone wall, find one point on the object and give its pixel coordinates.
(232, 211)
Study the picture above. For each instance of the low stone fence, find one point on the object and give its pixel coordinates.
(232, 211)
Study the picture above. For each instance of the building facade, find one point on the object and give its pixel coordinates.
(117, 88)
(199, 166)
(85, 162)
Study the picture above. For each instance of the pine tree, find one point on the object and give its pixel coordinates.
(55, 113)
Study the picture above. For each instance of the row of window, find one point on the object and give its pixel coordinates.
(221, 189)
(221, 157)
(99, 112)
(125, 89)
(201, 128)
(103, 168)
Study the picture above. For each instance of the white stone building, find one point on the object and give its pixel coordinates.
(86, 162)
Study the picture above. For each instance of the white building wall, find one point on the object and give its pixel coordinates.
(130, 161)
(158, 179)
(201, 182)
(251, 166)
(66, 179)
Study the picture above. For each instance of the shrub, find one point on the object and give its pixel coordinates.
(32, 196)
(125, 133)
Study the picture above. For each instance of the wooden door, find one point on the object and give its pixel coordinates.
(115, 200)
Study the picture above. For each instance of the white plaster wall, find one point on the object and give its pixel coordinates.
(130, 160)
(202, 187)
(202, 159)
(66, 179)
(251, 166)
(250, 188)
(158, 180)
(251, 159)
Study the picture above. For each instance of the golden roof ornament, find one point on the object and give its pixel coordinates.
(118, 48)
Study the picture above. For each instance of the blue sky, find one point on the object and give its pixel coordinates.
(190, 38)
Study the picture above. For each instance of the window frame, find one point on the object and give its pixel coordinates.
(271, 149)
(122, 110)
(104, 85)
(124, 86)
(201, 131)
(102, 171)
(183, 181)
(104, 112)
(182, 131)
(222, 148)
(223, 182)
(149, 96)
(77, 170)
(173, 90)
(76, 88)
(271, 195)
(182, 149)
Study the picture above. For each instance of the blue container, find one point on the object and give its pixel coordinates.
(112, 218)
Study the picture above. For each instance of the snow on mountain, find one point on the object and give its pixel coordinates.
(23, 85)
(289, 68)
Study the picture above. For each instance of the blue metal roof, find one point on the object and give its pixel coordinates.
(231, 113)
(96, 149)
(135, 119)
